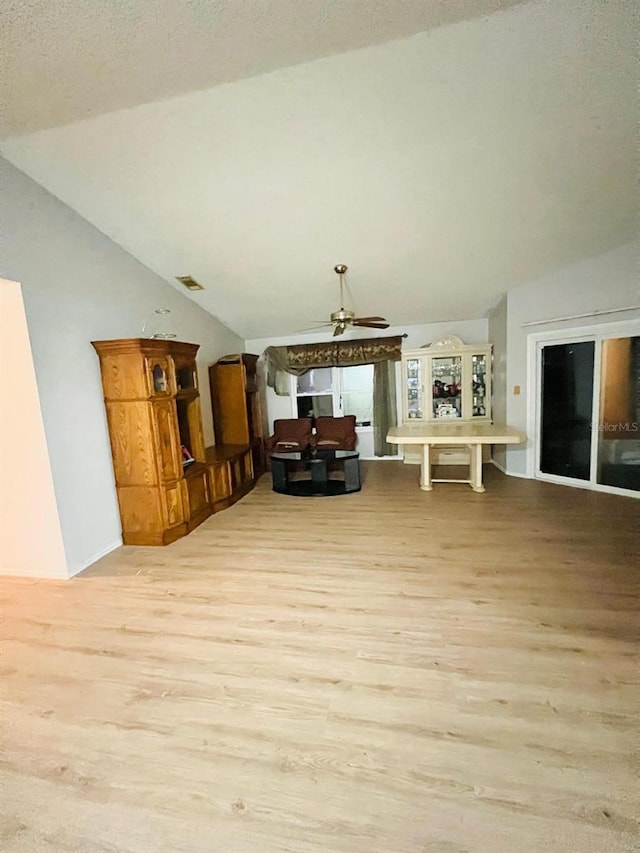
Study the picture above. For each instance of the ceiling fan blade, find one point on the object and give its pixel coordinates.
(370, 325)
(370, 320)
(339, 330)
(314, 328)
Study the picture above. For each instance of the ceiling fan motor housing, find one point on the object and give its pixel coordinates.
(343, 316)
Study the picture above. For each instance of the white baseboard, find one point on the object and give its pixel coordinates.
(95, 557)
(587, 485)
(27, 572)
(508, 473)
(574, 484)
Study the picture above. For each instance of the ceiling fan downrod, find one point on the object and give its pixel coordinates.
(341, 270)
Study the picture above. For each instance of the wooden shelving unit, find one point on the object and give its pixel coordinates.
(155, 428)
(237, 409)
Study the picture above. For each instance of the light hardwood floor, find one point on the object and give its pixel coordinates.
(391, 671)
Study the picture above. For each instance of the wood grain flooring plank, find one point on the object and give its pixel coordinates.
(389, 670)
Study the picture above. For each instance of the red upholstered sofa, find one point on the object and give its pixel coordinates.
(293, 435)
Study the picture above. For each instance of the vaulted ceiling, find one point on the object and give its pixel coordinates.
(445, 151)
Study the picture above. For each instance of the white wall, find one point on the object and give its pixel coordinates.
(30, 535)
(599, 284)
(471, 331)
(79, 286)
(498, 337)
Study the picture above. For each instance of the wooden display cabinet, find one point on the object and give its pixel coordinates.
(446, 382)
(155, 429)
(237, 408)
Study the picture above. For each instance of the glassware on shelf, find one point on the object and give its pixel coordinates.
(447, 390)
(479, 368)
(447, 380)
(414, 388)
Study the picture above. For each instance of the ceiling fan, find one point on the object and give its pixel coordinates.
(343, 318)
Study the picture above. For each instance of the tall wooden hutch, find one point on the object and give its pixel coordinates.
(237, 409)
(155, 429)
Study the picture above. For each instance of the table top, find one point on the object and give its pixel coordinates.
(454, 433)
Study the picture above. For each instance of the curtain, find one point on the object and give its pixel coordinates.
(298, 359)
(384, 406)
(277, 373)
(381, 352)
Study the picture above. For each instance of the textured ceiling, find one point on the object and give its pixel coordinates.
(444, 168)
(71, 59)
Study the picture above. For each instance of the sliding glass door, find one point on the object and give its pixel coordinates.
(618, 433)
(589, 412)
(567, 403)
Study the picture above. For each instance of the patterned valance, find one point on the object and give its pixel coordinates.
(298, 359)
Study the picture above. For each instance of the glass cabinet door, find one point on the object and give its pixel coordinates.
(479, 385)
(447, 381)
(446, 387)
(159, 376)
(414, 390)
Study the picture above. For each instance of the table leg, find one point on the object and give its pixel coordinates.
(319, 475)
(476, 467)
(352, 475)
(279, 475)
(425, 469)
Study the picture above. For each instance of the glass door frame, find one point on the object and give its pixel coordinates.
(535, 344)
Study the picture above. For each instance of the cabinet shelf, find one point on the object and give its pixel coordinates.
(194, 469)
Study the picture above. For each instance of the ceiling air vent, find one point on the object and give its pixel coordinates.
(189, 283)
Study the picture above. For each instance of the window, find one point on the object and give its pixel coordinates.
(336, 391)
(314, 392)
(316, 381)
(357, 393)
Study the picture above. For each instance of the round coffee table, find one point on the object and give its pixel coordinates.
(308, 474)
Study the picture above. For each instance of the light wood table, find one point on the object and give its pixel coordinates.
(471, 435)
